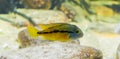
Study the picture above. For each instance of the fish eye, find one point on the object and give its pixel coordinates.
(77, 31)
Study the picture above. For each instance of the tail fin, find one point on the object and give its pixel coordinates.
(32, 31)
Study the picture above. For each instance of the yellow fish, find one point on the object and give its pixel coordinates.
(56, 31)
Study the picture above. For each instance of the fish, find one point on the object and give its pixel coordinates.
(55, 31)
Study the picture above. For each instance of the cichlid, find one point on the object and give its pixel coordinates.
(56, 31)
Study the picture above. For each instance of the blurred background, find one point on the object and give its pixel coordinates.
(98, 19)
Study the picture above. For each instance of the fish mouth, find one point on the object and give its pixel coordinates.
(76, 35)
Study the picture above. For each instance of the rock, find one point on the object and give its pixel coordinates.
(54, 50)
(42, 49)
(37, 15)
(8, 36)
(44, 16)
(118, 52)
(105, 41)
(37, 4)
(25, 40)
(117, 28)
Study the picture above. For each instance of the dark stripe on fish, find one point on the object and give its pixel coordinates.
(57, 31)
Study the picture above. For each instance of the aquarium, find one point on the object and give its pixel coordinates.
(59, 29)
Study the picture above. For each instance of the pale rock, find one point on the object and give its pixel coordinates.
(118, 52)
(42, 49)
(54, 50)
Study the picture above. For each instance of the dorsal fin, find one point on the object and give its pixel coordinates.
(45, 26)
